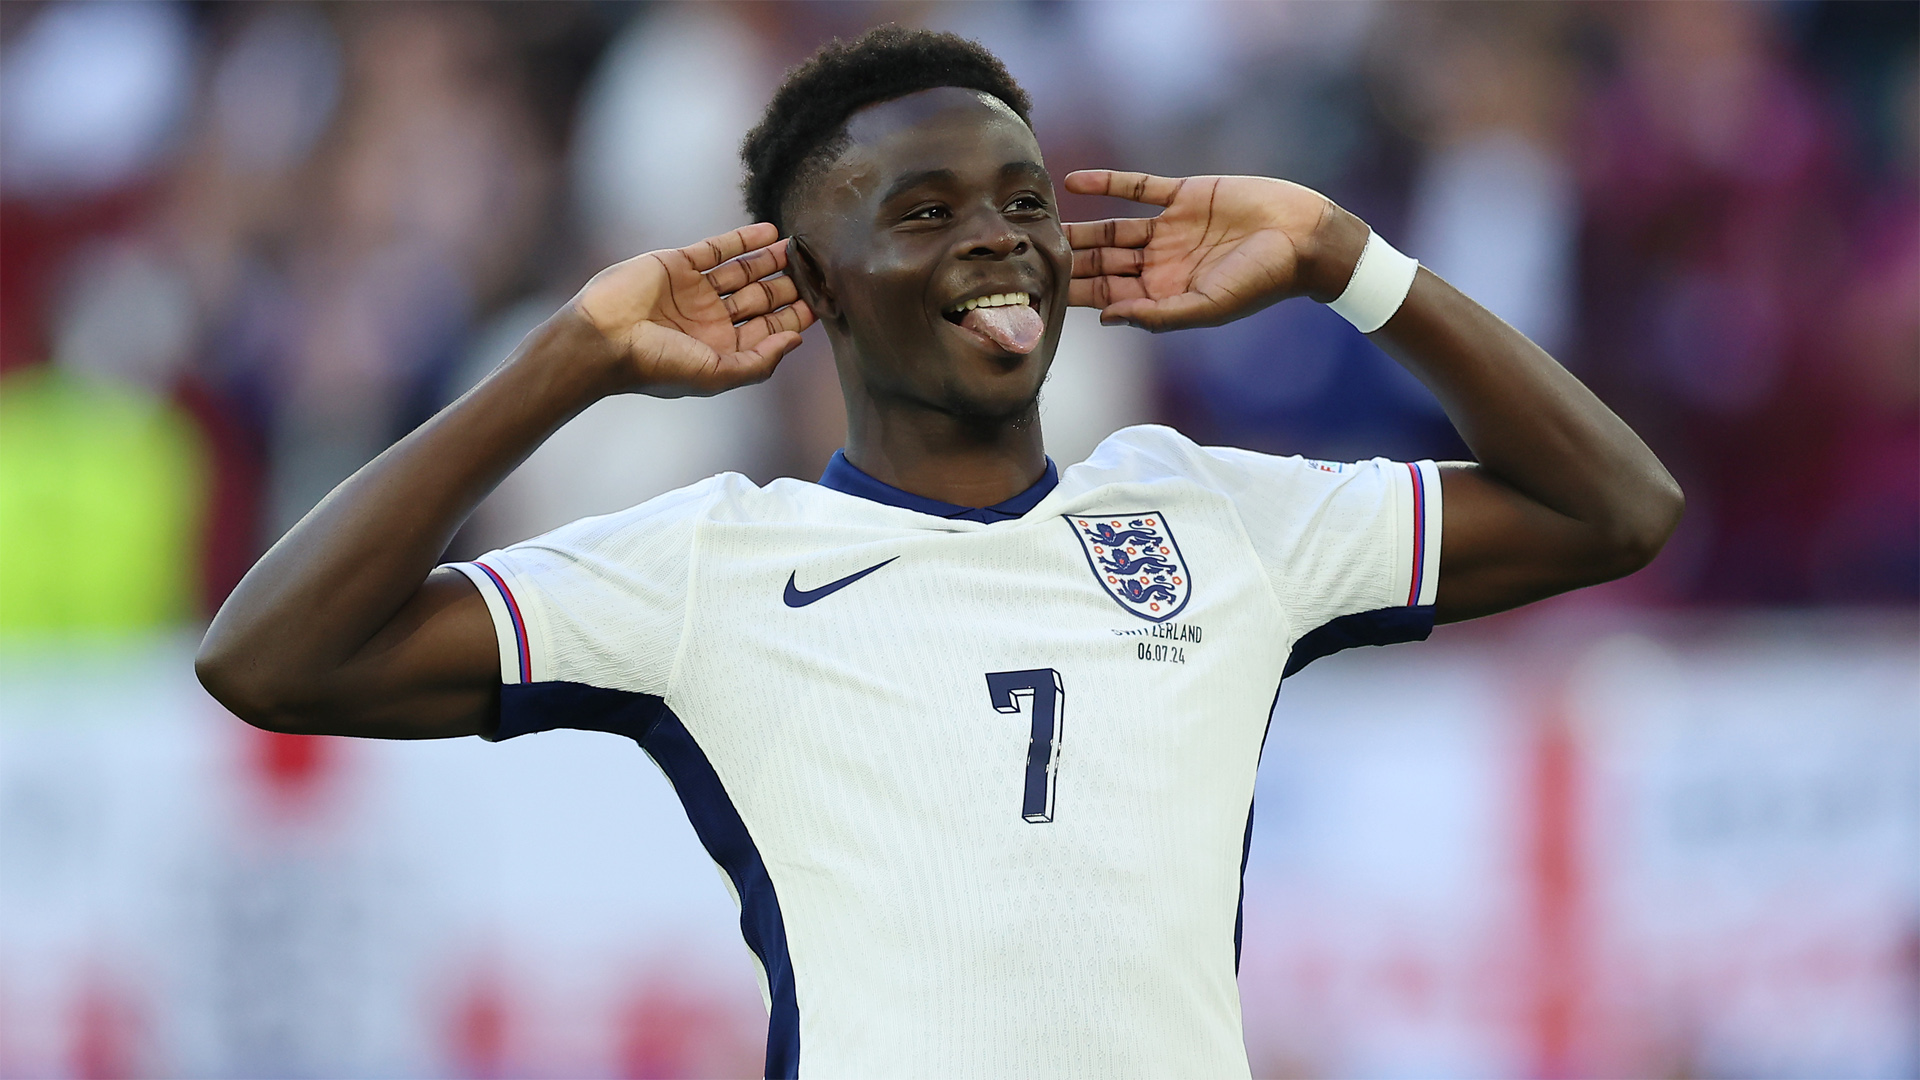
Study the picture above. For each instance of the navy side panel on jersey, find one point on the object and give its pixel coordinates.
(526, 708)
(1387, 626)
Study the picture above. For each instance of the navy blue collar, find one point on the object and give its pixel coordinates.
(843, 476)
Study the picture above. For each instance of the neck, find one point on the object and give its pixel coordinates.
(937, 455)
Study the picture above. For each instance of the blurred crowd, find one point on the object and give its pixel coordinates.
(243, 247)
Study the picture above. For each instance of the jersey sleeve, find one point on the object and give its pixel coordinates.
(1352, 548)
(599, 603)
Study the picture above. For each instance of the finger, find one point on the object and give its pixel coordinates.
(1101, 292)
(760, 298)
(1113, 232)
(794, 318)
(1137, 186)
(1108, 261)
(754, 265)
(715, 250)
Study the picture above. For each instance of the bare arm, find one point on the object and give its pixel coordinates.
(1563, 495)
(344, 627)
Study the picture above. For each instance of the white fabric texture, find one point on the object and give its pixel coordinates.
(933, 927)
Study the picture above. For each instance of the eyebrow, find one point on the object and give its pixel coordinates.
(913, 180)
(948, 176)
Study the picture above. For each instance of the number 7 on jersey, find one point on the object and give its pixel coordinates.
(1049, 703)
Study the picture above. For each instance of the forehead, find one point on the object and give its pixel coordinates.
(963, 131)
(945, 117)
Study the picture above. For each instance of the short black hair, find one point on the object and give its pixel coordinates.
(804, 127)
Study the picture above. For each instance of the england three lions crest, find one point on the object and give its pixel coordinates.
(1135, 558)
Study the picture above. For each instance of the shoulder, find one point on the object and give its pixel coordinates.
(1143, 452)
(1288, 486)
(656, 520)
(1148, 452)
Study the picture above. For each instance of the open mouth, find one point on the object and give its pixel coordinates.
(1008, 320)
(1006, 299)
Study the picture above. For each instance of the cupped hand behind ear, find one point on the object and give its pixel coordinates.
(1224, 247)
(701, 319)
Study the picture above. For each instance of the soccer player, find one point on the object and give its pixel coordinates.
(972, 737)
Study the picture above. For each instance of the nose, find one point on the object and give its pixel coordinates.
(992, 238)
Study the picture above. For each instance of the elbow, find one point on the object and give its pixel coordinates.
(244, 690)
(1640, 534)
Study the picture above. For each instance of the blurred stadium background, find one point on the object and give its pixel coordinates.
(1668, 827)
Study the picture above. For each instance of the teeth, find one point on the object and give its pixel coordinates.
(1007, 299)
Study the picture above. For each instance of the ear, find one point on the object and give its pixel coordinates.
(807, 276)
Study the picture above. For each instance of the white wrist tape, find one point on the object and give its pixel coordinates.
(1378, 287)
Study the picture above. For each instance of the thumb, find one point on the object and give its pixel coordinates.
(755, 365)
(776, 347)
(1172, 313)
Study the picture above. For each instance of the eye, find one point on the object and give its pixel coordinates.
(1026, 203)
(933, 212)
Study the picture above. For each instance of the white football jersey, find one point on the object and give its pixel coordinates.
(981, 780)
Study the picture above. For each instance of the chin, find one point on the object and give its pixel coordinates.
(996, 406)
(975, 386)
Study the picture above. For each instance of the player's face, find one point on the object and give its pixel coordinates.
(939, 199)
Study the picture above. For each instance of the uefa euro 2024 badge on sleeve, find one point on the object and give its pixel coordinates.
(1135, 558)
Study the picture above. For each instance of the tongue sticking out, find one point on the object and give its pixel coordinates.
(1015, 328)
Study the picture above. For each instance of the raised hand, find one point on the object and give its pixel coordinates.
(345, 628)
(1224, 247)
(700, 319)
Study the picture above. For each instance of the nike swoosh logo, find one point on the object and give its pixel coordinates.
(802, 597)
